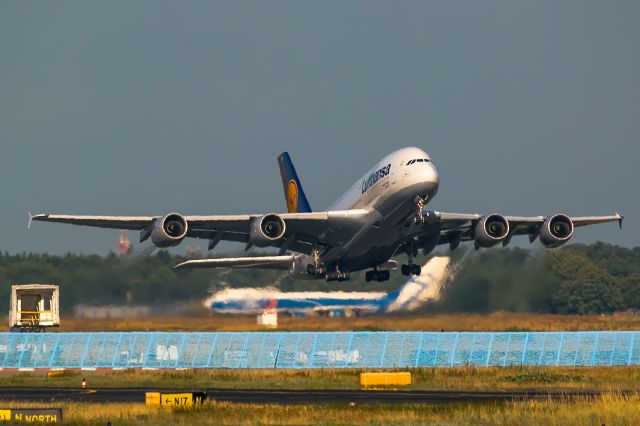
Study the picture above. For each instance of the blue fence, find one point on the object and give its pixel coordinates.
(316, 350)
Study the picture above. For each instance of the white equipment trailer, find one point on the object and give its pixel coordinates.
(34, 307)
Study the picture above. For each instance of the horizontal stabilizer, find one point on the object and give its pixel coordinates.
(263, 262)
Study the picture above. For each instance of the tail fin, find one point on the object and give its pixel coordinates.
(293, 192)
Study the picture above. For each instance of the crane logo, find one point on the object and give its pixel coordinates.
(292, 196)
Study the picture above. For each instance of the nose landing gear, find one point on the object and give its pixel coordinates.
(420, 217)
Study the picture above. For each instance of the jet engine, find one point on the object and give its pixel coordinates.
(556, 230)
(169, 230)
(491, 230)
(266, 229)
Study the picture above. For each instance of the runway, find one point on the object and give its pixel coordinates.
(292, 397)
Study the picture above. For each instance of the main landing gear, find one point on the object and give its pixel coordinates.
(338, 275)
(410, 269)
(377, 275)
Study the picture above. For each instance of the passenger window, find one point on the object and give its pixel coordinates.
(419, 160)
(411, 162)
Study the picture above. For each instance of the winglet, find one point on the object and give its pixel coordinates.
(30, 220)
(620, 219)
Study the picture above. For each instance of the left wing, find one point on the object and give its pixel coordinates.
(457, 227)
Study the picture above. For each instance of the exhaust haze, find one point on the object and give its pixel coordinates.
(425, 287)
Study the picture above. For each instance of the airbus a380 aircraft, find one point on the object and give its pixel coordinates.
(383, 214)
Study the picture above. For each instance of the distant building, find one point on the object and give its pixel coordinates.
(111, 311)
(34, 307)
(269, 317)
(124, 245)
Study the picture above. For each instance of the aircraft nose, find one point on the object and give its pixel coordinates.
(431, 177)
(430, 174)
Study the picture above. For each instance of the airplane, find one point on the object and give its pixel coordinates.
(413, 294)
(382, 215)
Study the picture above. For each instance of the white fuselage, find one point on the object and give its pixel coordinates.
(419, 176)
(391, 192)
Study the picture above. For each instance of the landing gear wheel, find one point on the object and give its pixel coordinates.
(315, 271)
(410, 269)
(383, 276)
(343, 276)
(376, 275)
(405, 270)
(338, 275)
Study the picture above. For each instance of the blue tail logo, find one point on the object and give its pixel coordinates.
(293, 192)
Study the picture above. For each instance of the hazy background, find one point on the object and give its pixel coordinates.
(147, 107)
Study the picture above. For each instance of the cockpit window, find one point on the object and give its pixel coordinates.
(418, 160)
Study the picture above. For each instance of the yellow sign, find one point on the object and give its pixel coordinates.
(152, 398)
(31, 415)
(170, 399)
(176, 399)
(385, 379)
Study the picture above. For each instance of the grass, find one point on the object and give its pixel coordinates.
(608, 409)
(499, 321)
(423, 378)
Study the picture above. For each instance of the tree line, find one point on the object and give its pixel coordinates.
(577, 279)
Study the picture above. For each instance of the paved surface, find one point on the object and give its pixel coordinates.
(268, 396)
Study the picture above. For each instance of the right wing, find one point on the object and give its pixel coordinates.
(304, 231)
(263, 262)
(115, 222)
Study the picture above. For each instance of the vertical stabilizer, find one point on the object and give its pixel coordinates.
(293, 192)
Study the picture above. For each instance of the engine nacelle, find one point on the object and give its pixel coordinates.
(266, 229)
(491, 230)
(556, 230)
(169, 230)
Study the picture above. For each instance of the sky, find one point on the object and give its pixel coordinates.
(149, 107)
